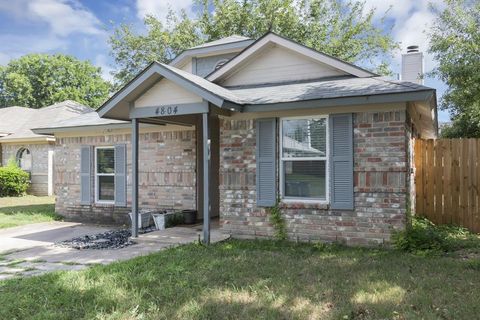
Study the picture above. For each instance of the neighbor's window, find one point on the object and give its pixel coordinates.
(303, 157)
(105, 174)
(24, 159)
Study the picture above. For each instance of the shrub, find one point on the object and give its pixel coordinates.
(13, 180)
(424, 237)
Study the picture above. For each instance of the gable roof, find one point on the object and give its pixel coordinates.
(272, 38)
(233, 43)
(37, 118)
(151, 75)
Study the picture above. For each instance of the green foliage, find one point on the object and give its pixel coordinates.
(13, 181)
(132, 52)
(38, 80)
(455, 43)
(343, 29)
(278, 221)
(424, 237)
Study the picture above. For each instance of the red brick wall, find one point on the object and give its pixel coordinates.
(380, 186)
(166, 175)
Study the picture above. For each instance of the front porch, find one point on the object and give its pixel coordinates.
(181, 235)
(161, 96)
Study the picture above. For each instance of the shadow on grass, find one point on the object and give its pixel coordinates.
(253, 279)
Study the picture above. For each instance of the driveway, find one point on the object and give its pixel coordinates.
(30, 250)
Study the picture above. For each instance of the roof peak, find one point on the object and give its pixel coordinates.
(225, 40)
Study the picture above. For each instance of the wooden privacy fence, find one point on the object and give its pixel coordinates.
(447, 181)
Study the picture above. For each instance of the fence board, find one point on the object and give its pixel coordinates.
(419, 192)
(447, 171)
(447, 181)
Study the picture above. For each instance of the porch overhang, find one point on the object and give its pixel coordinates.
(120, 105)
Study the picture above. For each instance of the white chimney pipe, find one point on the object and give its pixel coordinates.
(412, 65)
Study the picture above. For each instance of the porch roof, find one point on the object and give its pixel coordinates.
(117, 107)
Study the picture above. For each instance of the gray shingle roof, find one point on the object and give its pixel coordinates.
(230, 39)
(38, 118)
(13, 118)
(322, 89)
(83, 120)
(205, 84)
(302, 90)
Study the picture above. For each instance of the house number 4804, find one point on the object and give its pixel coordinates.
(170, 110)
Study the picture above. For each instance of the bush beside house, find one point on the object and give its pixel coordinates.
(13, 180)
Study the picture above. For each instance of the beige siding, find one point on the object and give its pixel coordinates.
(277, 64)
(166, 92)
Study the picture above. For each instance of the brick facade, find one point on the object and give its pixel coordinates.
(166, 175)
(39, 172)
(380, 185)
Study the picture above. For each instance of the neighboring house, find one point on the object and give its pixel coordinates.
(329, 140)
(33, 152)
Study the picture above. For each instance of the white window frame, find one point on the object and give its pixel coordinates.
(97, 175)
(326, 158)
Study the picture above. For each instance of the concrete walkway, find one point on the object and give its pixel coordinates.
(30, 250)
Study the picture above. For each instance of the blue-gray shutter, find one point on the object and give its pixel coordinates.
(265, 161)
(120, 175)
(341, 161)
(85, 175)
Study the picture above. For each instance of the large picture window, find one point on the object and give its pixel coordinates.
(303, 158)
(105, 174)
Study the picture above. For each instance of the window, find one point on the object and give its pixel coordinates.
(105, 174)
(303, 158)
(24, 159)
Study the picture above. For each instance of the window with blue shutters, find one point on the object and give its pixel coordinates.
(304, 158)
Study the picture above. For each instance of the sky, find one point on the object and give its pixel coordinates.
(81, 28)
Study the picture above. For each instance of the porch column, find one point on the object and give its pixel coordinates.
(134, 177)
(206, 189)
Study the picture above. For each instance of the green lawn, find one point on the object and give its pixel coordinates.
(17, 211)
(254, 280)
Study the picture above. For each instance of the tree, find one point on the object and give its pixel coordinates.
(340, 28)
(38, 80)
(455, 43)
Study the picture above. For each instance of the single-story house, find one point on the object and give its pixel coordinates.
(33, 152)
(236, 126)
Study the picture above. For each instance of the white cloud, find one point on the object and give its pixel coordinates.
(14, 46)
(160, 8)
(64, 17)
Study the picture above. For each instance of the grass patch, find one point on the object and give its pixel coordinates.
(425, 238)
(17, 211)
(253, 280)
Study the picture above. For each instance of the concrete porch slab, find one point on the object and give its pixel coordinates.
(179, 235)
